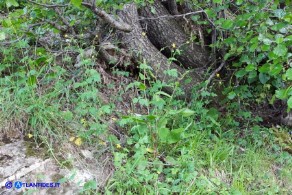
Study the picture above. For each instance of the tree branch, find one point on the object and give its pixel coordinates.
(48, 5)
(118, 24)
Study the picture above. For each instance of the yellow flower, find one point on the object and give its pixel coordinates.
(29, 135)
(173, 45)
(149, 150)
(96, 36)
(71, 139)
(114, 119)
(102, 143)
(218, 75)
(78, 141)
(65, 35)
(143, 34)
(118, 146)
(158, 172)
(220, 83)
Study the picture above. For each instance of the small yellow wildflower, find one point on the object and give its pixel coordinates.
(158, 172)
(173, 45)
(114, 119)
(29, 135)
(149, 150)
(65, 35)
(143, 34)
(71, 139)
(218, 75)
(78, 141)
(220, 83)
(102, 143)
(118, 146)
(96, 36)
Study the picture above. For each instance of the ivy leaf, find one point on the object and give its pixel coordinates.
(76, 3)
(10, 3)
(280, 50)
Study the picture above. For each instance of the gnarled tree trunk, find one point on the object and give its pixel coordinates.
(163, 32)
(144, 50)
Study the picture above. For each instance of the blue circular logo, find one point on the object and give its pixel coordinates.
(8, 184)
(18, 184)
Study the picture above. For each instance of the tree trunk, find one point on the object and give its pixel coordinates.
(144, 50)
(163, 32)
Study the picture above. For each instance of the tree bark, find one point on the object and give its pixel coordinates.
(164, 32)
(144, 50)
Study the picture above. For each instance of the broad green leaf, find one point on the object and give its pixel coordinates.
(264, 78)
(240, 73)
(281, 94)
(231, 95)
(187, 112)
(265, 68)
(227, 24)
(76, 3)
(10, 3)
(175, 135)
(275, 69)
(163, 134)
(250, 67)
(280, 50)
(289, 102)
(289, 74)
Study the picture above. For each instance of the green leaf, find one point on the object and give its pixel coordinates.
(275, 69)
(175, 135)
(2, 36)
(280, 50)
(250, 67)
(76, 3)
(240, 73)
(281, 94)
(187, 112)
(10, 3)
(227, 24)
(163, 134)
(231, 95)
(289, 102)
(264, 78)
(289, 74)
(68, 115)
